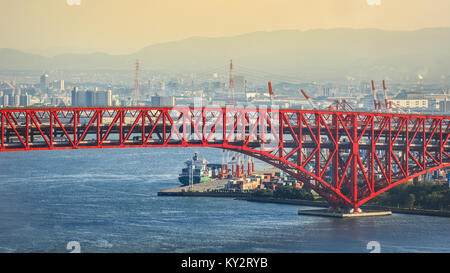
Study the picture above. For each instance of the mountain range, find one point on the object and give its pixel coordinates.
(314, 53)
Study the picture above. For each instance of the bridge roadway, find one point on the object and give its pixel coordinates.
(347, 157)
(36, 141)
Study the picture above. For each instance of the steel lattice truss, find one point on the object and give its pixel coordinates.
(346, 157)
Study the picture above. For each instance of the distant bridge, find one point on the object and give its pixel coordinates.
(346, 157)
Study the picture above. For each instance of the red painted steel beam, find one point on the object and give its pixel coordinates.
(346, 157)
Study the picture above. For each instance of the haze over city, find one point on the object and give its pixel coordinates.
(51, 27)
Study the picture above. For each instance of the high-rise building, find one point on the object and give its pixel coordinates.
(91, 98)
(163, 101)
(14, 100)
(9, 92)
(444, 106)
(81, 98)
(5, 100)
(44, 81)
(103, 98)
(24, 100)
(74, 96)
(58, 85)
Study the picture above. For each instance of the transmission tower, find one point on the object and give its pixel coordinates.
(137, 85)
(231, 99)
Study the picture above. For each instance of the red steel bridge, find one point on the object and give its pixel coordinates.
(346, 157)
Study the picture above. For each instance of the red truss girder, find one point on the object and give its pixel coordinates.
(347, 157)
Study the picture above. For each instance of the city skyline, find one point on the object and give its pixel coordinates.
(54, 27)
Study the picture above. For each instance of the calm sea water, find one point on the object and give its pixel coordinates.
(106, 200)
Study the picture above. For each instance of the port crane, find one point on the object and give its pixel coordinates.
(271, 94)
(343, 105)
(308, 98)
(376, 105)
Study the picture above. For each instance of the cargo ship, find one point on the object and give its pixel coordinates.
(201, 170)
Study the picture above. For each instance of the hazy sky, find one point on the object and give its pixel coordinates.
(123, 26)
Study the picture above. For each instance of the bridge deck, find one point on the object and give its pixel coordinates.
(347, 157)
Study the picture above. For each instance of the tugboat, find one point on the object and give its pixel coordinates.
(201, 173)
